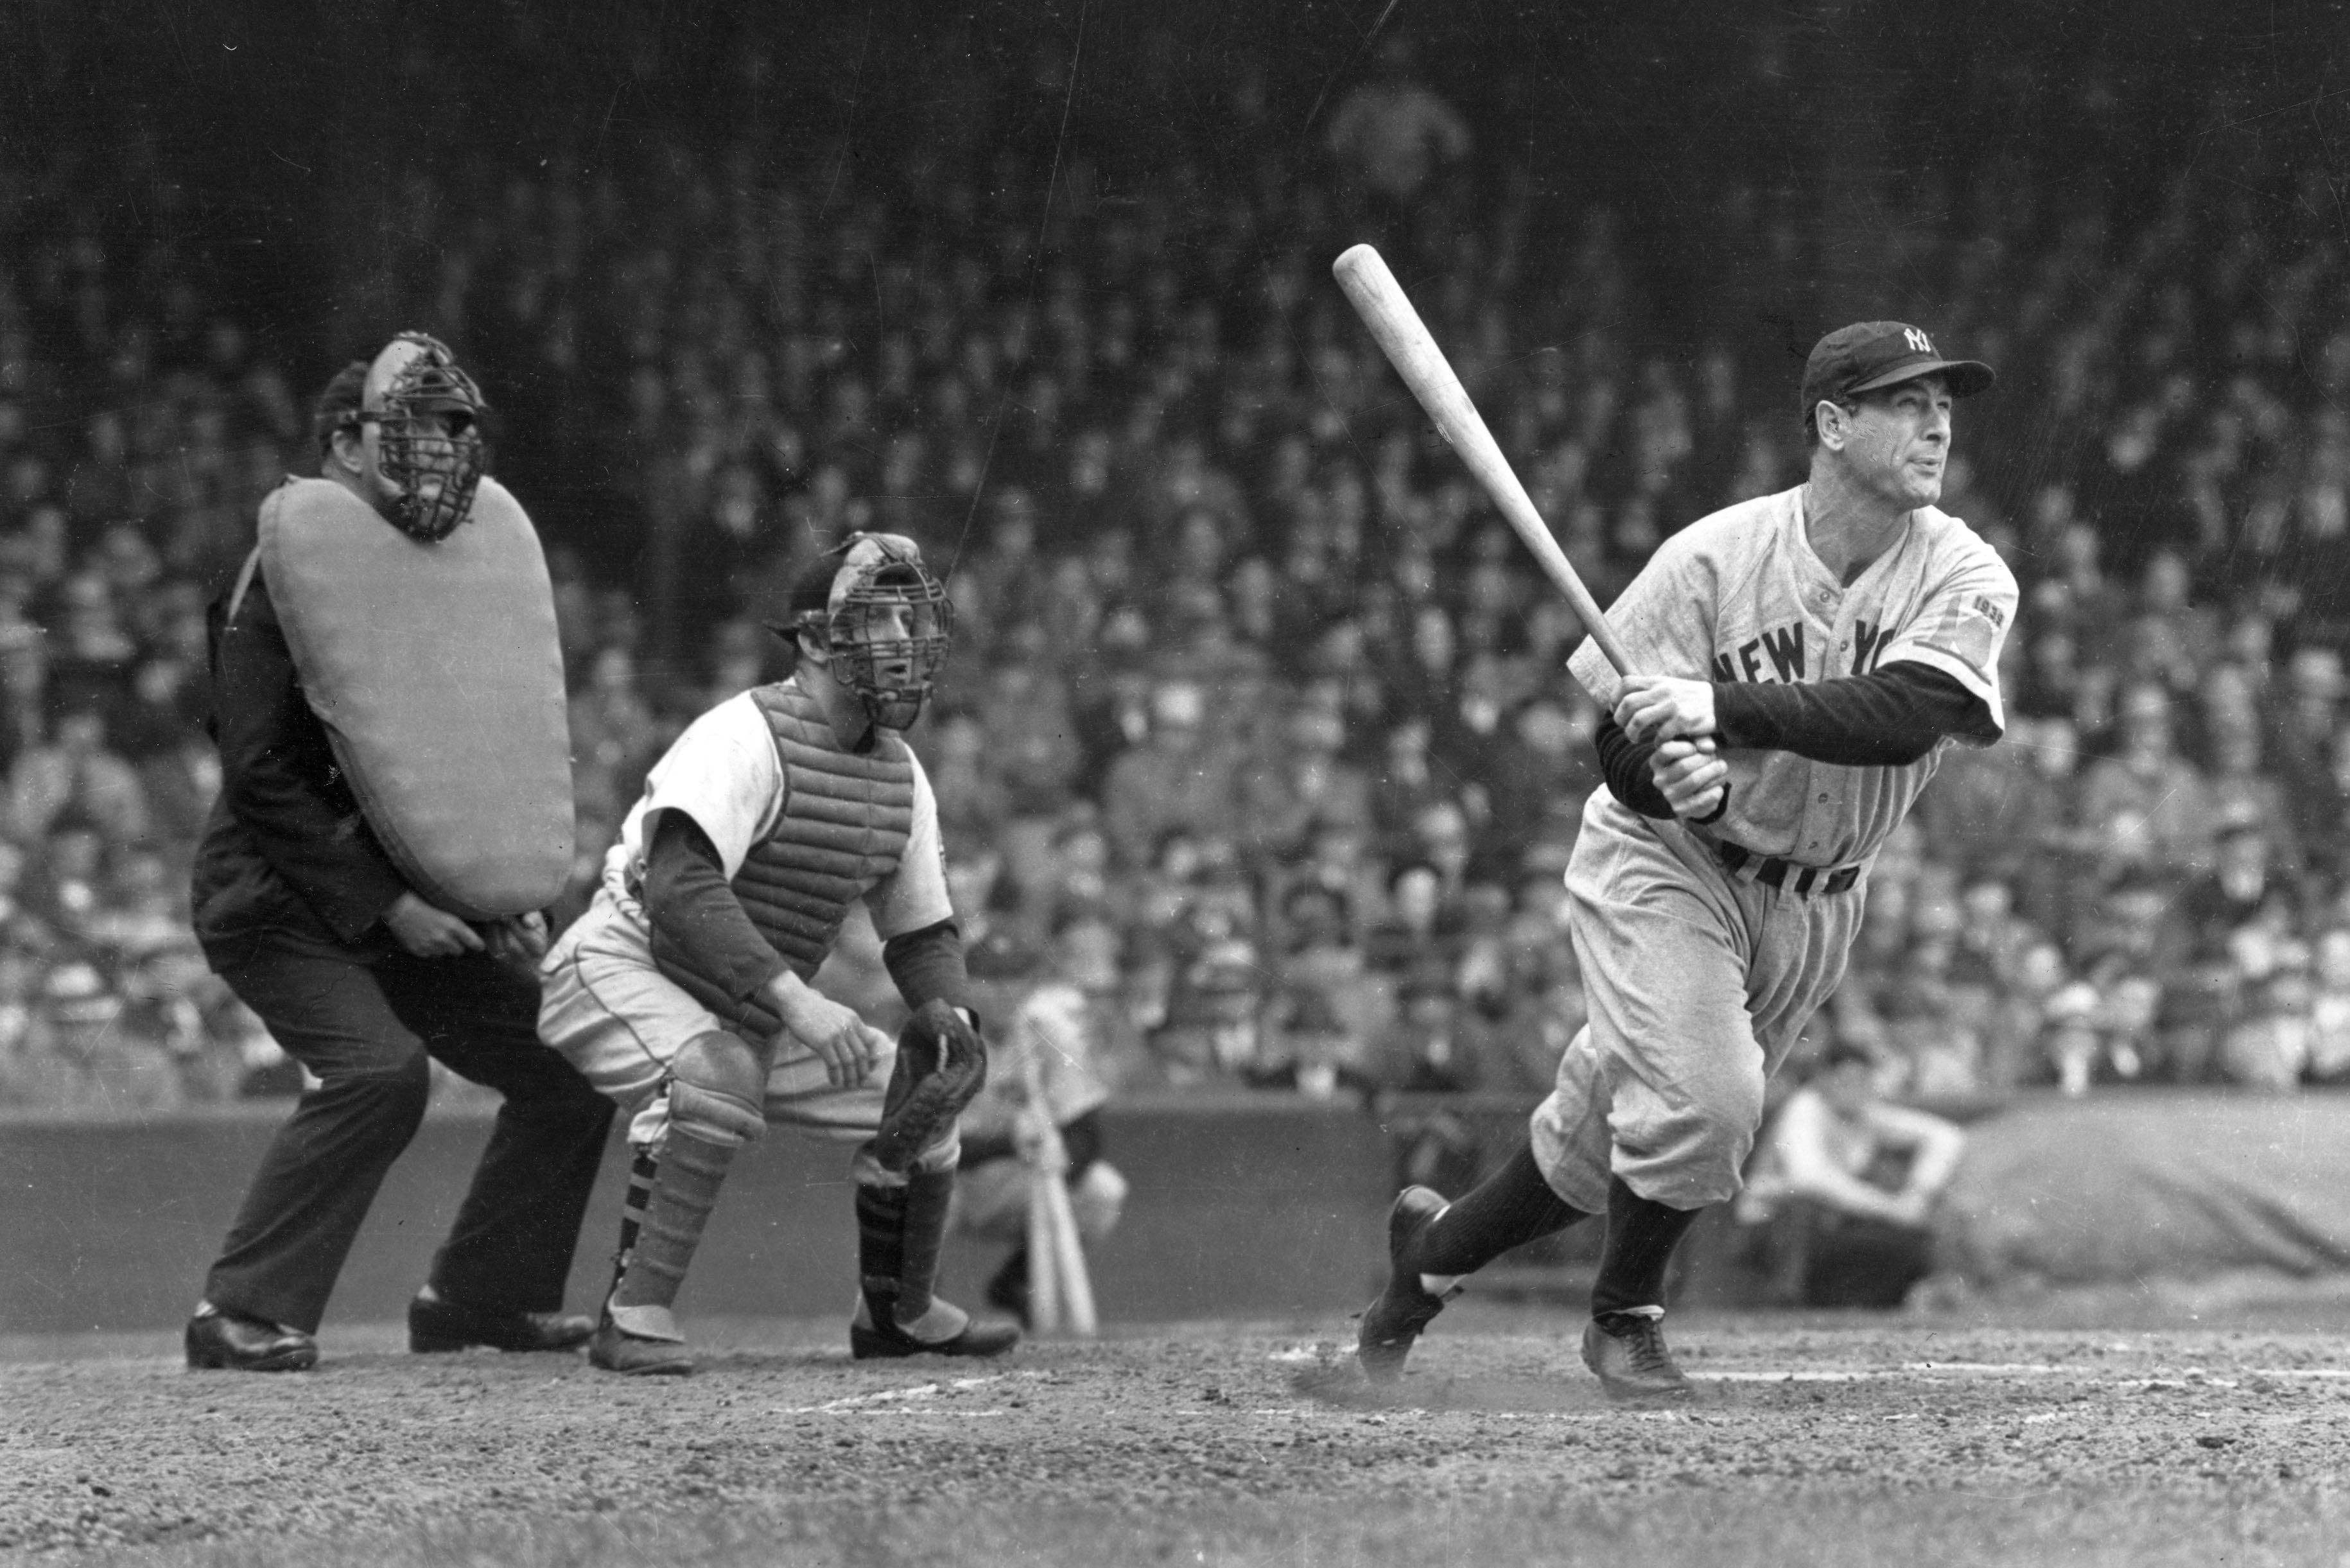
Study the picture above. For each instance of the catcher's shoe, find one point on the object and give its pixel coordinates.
(1626, 1350)
(1393, 1322)
(436, 1324)
(615, 1349)
(876, 1336)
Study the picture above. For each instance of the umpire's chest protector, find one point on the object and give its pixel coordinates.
(437, 674)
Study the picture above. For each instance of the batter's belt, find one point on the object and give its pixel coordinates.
(1806, 881)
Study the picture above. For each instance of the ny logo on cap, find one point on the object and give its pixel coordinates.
(1918, 342)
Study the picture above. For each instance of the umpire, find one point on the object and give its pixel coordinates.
(301, 909)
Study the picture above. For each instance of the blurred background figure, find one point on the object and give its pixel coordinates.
(1041, 1083)
(1841, 1197)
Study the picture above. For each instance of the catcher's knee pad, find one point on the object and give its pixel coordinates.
(718, 1089)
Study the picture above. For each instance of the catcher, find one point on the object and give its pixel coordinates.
(683, 992)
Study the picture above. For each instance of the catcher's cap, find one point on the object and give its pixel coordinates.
(824, 582)
(1869, 356)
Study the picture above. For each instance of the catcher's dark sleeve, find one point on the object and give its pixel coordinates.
(927, 964)
(686, 896)
(280, 778)
(1888, 718)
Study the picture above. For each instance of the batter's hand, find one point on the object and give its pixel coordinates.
(1690, 776)
(850, 1047)
(426, 931)
(1665, 707)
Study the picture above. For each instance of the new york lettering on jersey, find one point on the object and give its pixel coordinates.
(1939, 595)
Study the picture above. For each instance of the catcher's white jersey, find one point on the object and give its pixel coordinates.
(1739, 596)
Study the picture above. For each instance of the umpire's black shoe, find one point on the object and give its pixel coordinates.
(231, 1342)
(1393, 1322)
(1626, 1350)
(438, 1324)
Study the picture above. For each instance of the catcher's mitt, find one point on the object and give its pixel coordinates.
(942, 1067)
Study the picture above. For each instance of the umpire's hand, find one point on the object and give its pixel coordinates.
(1665, 707)
(427, 930)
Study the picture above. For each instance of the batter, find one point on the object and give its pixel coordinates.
(1803, 659)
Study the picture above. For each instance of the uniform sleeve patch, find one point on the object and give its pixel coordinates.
(1969, 631)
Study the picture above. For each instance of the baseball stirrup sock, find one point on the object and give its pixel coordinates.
(1641, 1236)
(900, 1232)
(685, 1191)
(643, 1170)
(1510, 1208)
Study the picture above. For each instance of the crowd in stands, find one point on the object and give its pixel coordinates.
(1257, 716)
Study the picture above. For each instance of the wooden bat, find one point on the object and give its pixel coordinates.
(1058, 1280)
(1380, 300)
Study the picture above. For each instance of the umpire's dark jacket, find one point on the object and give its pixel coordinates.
(290, 892)
(287, 849)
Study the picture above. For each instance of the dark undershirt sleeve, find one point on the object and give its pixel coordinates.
(1625, 762)
(686, 896)
(927, 964)
(1889, 718)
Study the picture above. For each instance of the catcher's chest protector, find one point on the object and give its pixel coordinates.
(844, 826)
(437, 673)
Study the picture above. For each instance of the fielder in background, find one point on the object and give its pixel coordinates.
(367, 886)
(683, 992)
(1046, 1041)
(1804, 658)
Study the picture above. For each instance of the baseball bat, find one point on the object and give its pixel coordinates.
(1380, 301)
(1059, 1287)
(1070, 1268)
(1044, 1253)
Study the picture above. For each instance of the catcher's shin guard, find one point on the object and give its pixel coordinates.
(899, 1232)
(714, 1093)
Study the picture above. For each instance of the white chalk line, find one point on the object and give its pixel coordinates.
(2183, 1377)
(880, 1400)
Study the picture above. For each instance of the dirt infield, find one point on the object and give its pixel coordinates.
(1828, 1441)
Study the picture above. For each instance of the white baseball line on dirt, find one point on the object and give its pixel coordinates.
(899, 1395)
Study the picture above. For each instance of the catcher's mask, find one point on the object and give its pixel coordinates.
(427, 415)
(883, 618)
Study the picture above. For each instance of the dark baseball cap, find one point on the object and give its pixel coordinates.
(1869, 356)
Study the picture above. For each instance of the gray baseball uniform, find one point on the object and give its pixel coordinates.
(1706, 950)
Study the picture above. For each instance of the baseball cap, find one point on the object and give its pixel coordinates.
(1868, 356)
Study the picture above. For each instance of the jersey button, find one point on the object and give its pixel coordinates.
(1824, 800)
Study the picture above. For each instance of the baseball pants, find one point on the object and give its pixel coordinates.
(607, 1008)
(1698, 984)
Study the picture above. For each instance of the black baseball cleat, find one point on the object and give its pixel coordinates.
(1393, 1322)
(884, 1339)
(231, 1342)
(440, 1325)
(612, 1348)
(1626, 1351)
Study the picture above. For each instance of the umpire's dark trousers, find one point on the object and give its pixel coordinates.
(366, 1028)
